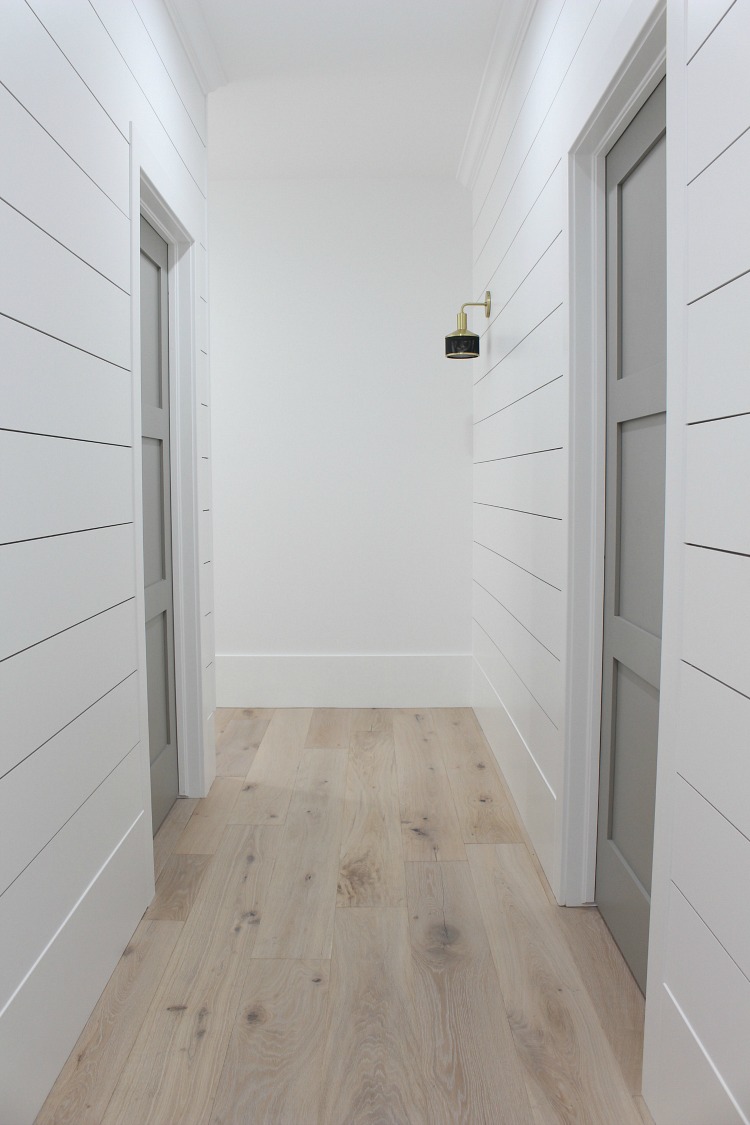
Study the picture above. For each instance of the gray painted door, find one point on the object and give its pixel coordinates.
(634, 547)
(157, 522)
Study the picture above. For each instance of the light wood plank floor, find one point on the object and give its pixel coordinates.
(351, 929)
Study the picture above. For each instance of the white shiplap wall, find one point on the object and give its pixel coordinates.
(74, 816)
(698, 1011)
(568, 56)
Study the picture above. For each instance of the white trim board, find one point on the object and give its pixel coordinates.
(344, 680)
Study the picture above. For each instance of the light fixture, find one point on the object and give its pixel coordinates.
(463, 344)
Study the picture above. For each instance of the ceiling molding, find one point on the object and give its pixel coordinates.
(506, 44)
(190, 25)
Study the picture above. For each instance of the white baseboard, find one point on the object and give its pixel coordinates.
(380, 680)
(534, 798)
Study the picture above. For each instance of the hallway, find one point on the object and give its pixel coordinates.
(352, 929)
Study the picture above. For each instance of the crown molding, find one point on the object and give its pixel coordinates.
(192, 29)
(510, 32)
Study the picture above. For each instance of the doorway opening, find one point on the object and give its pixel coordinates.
(640, 74)
(167, 651)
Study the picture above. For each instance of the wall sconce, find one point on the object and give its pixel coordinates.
(463, 344)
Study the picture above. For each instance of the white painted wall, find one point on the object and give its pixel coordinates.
(698, 1010)
(342, 441)
(76, 867)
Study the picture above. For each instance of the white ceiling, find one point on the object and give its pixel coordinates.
(340, 87)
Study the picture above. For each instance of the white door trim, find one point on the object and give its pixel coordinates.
(638, 77)
(149, 194)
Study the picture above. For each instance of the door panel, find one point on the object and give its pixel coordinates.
(157, 523)
(634, 546)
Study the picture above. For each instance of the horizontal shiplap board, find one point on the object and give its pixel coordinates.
(702, 18)
(710, 862)
(44, 285)
(719, 221)
(204, 484)
(201, 270)
(206, 588)
(539, 421)
(536, 605)
(48, 387)
(535, 666)
(41, 794)
(34, 906)
(208, 647)
(76, 212)
(57, 97)
(689, 1086)
(502, 267)
(718, 90)
(76, 668)
(162, 32)
(535, 484)
(540, 739)
(204, 391)
(530, 53)
(540, 357)
(205, 536)
(126, 28)
(204, 431)
(52, 486)
(717, 486)
(532, 542)
(719, 353)
(59, 581)
(554, 63)
(209, 691)
(532, 795)
(714, 746)
(201, 332)
(714, 995)
(84, 40)
(68, 980)
(716, 615)
(539, 293)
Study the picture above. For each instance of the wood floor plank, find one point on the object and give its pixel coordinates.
(202, 835)
(430, 828)
(646, 1117)
(267, 790)
(222, 717)
(177, 887)
(476, 1075)
(83, 1090)
(265, 713)
(372, 1074)
(273, 1066)
(330, 728)
(371, 871)
(238, 745)
(298, 917)
(372, 719)
(571, 1073)
(220, 800)
(482, 804)
(173, 1069)
(166, 838)
(616, 997)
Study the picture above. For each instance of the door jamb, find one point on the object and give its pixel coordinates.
(148, 200)
(641, 72)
